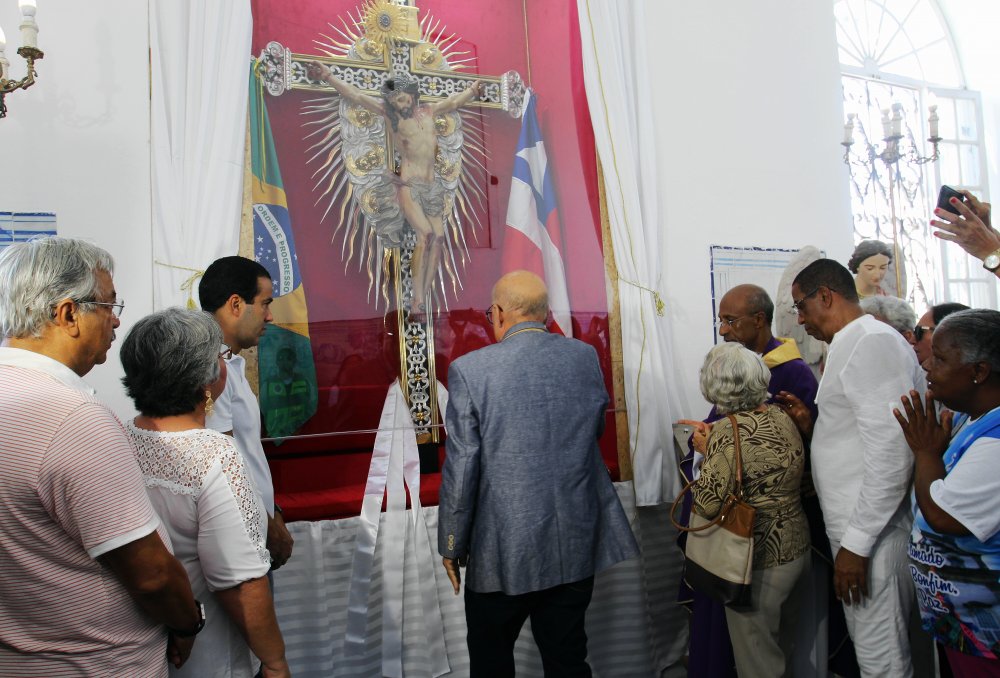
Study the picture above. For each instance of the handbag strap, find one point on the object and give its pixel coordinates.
(739, 460)
(738, 494)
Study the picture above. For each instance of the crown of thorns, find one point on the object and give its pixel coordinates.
(400, 83)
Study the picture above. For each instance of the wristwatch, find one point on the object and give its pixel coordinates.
(187, 633)
(992, 261)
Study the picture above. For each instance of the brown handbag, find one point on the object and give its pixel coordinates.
(719, 552)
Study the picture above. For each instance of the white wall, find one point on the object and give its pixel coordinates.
(77, 143)
(748, 98)
(975, 23)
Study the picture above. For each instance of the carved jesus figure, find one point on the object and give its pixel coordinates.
(414, 136)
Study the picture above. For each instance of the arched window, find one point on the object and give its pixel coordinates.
(901, 52)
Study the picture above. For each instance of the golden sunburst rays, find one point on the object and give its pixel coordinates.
(439, 49)
(350, 38)
(386, 263)
(385, 23)
(454, 225)
(349, 34)
(470, 195)
(448, 263)
(369, 264)
(330, 172)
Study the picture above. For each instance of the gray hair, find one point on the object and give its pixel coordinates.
(36, 275)
(976, 333)
(734, 378)
(534, 307)
(893, 311)
(168, 358)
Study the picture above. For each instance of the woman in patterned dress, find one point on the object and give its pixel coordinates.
(735, 380)
(197, 481)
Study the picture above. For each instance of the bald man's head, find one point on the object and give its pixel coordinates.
(523, 296)
(754, 299)
(745, 314)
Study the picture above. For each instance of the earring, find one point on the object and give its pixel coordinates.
(975, 381)
(209, 403)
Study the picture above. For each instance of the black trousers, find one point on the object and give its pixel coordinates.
(557, 623)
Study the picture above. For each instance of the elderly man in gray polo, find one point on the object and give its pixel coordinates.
(526, 499)
(88, 583)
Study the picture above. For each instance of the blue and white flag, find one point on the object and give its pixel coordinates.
(535, 241)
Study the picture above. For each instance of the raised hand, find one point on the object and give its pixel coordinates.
(924, 433)
(797, 410)
(699, 437)
(970, 228)
(316, 71)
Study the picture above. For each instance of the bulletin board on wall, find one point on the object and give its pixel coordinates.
(20, 226)
(761, 266)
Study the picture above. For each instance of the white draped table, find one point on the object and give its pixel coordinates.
(635, 627)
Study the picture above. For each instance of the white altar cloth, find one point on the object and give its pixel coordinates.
(635, 627)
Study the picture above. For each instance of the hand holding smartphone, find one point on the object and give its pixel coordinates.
(944, 199)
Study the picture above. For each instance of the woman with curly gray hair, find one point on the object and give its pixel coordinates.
(735, 380)
(196, 480)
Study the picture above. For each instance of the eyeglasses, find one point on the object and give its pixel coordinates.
(489, 312)
(225, 352)
(731, 322)
(920, 330)
(797, 305)
(116, 306)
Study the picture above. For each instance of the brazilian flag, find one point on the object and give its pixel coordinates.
(288, 393)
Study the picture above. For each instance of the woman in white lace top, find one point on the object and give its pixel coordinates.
(200, 487)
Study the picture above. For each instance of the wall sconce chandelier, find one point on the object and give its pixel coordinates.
(28, 51)
(892, 133)
(891, 154)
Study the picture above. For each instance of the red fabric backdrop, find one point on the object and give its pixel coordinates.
(353, 351)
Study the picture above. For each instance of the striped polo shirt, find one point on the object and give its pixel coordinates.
(70, 491)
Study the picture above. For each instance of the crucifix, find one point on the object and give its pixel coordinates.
(398, 159)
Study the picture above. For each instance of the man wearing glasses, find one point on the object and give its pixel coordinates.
(861, 462)
(746, 313)
(925, 328)
(525, 497)
(88, 581)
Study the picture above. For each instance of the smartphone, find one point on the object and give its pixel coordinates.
(944, 199)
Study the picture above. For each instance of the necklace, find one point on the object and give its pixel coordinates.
(523, 329)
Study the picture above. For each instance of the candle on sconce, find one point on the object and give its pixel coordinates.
(3, 57)
(849, 130)
(932, 122)
(897, 119)
(886, 123)
(29, 27)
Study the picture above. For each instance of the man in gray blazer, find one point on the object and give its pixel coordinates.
(526, 499)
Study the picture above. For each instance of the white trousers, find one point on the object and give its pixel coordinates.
(878, 626)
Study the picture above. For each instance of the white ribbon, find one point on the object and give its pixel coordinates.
(395, 461)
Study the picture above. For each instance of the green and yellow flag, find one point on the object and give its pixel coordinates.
(288, 393)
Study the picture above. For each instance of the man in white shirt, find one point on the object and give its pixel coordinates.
(88, 581)
(861, 464)
(238, 292)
